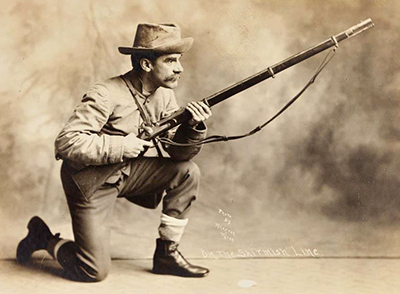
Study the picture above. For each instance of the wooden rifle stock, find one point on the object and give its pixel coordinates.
(92, 177)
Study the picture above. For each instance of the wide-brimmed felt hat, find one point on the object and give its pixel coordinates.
(160, 38)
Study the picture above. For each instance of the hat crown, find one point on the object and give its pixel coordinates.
(162, 38)
(149, 36)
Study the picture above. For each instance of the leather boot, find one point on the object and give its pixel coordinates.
(169, 261)
(38, 238)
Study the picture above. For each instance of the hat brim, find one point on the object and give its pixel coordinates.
(180, 46)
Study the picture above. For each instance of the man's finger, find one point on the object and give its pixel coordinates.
(195, 117)
(148, 130)
(206, 108)
(197, 107)
(202, 109)
(194, 109)
(199, 115)
(146, 143)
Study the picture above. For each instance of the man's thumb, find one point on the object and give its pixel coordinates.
(147, 143)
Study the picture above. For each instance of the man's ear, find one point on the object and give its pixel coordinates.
(146, 64)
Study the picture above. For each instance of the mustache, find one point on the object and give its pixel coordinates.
(172, 78)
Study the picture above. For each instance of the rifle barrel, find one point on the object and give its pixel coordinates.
(183, 115)
(276, 68)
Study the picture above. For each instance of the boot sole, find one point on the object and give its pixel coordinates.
(179, 274)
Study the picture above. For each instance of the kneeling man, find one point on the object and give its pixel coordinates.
(103, 132)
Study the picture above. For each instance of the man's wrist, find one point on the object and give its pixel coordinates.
(123, 148)
(198, 128)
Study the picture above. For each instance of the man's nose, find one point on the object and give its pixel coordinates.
(178, 68)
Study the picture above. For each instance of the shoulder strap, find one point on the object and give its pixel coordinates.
(134, 94)
(143, 112)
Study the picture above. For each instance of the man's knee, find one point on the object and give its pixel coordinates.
(92, 267)
(96, 273)
(189, 169)
(101, 274)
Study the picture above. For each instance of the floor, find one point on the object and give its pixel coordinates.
(241, 275)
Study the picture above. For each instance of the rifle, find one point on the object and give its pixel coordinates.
(91, 177)
(183, 115)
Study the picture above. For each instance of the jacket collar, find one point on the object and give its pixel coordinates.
(137, 83)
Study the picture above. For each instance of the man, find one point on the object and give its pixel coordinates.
(102, 136)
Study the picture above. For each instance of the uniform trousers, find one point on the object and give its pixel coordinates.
(150, 180)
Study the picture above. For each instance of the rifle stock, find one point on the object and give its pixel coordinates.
(89, 178)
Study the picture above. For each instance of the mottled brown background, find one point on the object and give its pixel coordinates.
(325, 175)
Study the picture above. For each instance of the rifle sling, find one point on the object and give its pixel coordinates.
(219, 138)
(143, 113)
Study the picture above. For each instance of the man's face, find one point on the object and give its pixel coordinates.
(166, 70)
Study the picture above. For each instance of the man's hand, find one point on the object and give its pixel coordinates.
(133, 146)
(200, 112)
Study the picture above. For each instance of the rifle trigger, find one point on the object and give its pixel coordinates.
(146, 129)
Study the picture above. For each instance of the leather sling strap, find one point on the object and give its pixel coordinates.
(143, 112)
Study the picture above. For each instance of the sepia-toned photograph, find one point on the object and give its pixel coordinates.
(199, 146)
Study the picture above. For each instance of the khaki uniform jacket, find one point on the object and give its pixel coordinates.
(94, 134)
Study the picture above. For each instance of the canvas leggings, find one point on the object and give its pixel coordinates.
(88, 258)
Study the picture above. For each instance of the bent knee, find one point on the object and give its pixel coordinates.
(101, 274)
(97, 273)
(190, 168)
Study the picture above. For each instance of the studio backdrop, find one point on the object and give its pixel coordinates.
(323, 177)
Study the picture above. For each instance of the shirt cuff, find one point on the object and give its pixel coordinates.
(116, 153)
(194, 132)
